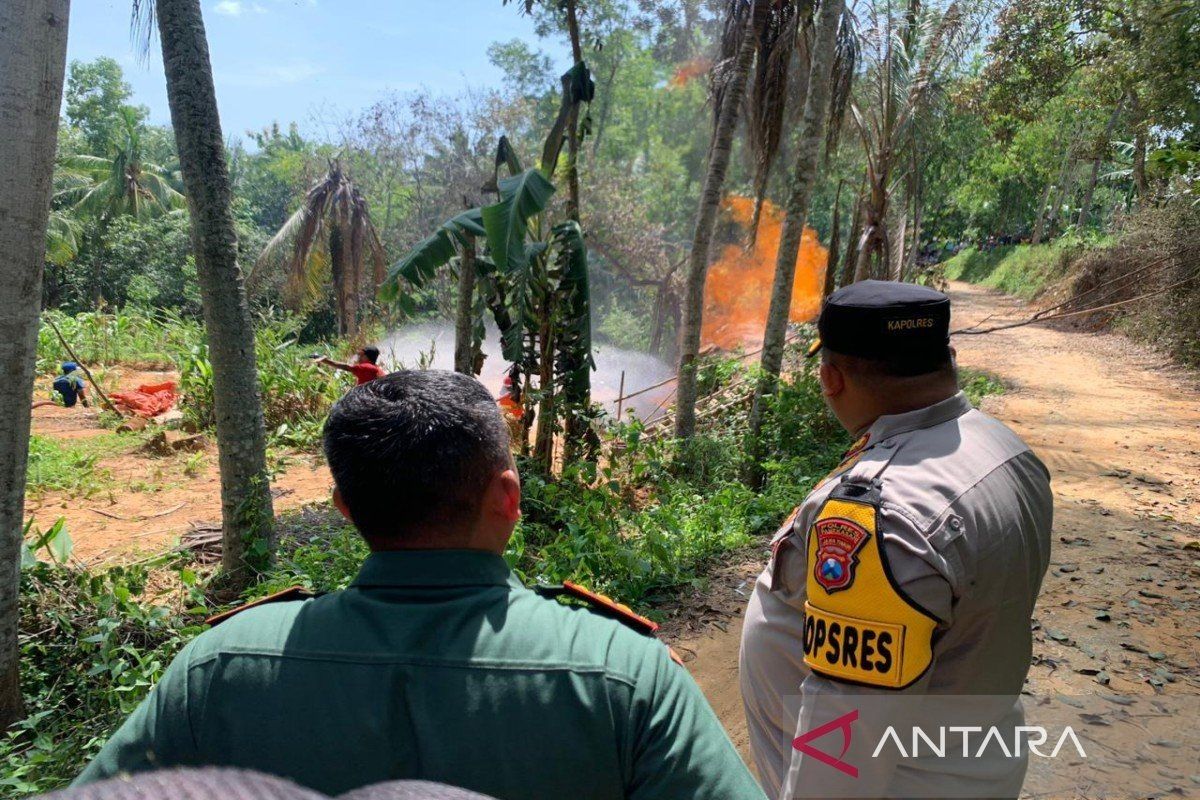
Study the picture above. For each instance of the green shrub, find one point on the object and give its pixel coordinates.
(1023, 270)
(92, 645)
(70, 465)
(979, 384)
(296, 393)
(144, 338)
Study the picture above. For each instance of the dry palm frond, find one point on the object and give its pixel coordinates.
(330, 237)
(844, 66)
(731, 39)
(768, 95)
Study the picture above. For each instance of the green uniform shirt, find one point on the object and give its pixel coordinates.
(436, 665)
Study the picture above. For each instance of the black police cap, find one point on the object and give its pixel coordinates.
(883, 319)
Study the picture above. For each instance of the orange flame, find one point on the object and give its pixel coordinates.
(738, 291)
(688, 71)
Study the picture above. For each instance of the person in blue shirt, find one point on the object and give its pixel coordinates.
(69, 387)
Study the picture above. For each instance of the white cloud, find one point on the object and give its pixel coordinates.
(235, 8)
(267, 75)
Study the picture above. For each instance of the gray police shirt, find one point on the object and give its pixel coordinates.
(911, 570)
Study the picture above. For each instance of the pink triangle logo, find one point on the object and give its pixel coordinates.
(842, 723)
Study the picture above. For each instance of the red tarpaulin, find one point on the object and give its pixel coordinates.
(149, 400)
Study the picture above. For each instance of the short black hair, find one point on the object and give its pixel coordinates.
(372, 353)
(939, 361)
(414, 451)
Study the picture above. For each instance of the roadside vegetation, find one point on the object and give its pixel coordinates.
(1023, 270)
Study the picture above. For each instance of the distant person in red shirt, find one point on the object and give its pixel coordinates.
(364, 367)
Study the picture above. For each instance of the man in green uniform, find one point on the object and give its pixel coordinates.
(436, 663)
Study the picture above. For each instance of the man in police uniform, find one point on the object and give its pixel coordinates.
(912, 569)
(436, 663)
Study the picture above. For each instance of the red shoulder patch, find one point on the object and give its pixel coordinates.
(294, 593)
(610, 607)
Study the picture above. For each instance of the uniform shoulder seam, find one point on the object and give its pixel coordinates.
(416, 661)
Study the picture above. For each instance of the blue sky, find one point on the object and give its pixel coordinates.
(307, 60)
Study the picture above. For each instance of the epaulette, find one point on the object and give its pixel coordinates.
(294, 593)
(601, 604)
(606, 606)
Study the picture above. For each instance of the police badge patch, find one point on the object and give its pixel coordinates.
(838, 542)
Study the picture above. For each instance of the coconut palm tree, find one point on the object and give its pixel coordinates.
(907, 55)
(800, 188)
(246, 509)
(121, 183)
(730, 78)
(33, 60)
(62, 237)
(331, 234)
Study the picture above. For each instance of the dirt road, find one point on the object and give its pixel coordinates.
(1119, 429)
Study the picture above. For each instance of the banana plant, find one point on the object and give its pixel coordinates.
(532, 276)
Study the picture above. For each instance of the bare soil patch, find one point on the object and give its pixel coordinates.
(148, 501)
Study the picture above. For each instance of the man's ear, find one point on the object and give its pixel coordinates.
(833, 380)
(503, 496)
(339, 503)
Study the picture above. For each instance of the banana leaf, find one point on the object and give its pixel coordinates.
(420, 264)
(577, 87)
(507, 224)
(574, 361)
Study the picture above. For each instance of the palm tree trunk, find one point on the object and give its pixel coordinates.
(899, 239)
(246, 510)
(867, 248)
(573, 124)
(835, 242)
(850, 259)
(578, 393)
(804, 178)
(33, 58)
(909, 265)
(719, 152)
(464, 323)
(1085, 208)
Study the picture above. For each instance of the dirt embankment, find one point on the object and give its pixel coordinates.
(1119, 428)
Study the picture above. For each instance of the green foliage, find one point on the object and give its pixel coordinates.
(978, 384)
(1022, 270)
(96, 95)
(638, 528)
(92, 645)
(143, 338)
(624, 327)
(296, 393)
(70, 465)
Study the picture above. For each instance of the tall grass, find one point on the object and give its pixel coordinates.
(1022, 270)
(150, 339)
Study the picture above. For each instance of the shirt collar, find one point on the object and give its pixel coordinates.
(434, 568)
(892, 424)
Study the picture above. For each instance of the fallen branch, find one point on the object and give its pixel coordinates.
(165, 512)
(82, 366)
